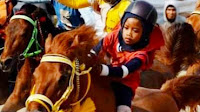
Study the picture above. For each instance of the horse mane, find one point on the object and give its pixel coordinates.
(185, 90)
(86, 41)
(176, 52)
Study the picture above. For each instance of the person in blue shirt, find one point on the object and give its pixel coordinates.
(67, 18)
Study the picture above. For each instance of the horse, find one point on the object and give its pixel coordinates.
(54, 89)
(176, 54)
(6, 12)
(71, 45)
(168, 62)
(26, 33)
(193, 19)
(174, 95)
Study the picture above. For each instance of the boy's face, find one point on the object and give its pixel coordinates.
(171, 13)
(132, 31)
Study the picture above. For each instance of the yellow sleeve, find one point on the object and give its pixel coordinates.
(76, 4)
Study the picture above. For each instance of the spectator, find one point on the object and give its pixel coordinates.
(170, 15)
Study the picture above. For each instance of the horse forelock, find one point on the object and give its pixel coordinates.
(86, 37)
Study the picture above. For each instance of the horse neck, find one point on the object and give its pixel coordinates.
(29, 63)
(166, 103)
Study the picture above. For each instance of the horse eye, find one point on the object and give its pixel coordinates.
(70, 43)
(69, 72)
(62, 80)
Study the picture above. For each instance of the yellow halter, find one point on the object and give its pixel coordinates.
(43, 100)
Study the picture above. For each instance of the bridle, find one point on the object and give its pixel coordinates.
(77, 70)
(34, 37)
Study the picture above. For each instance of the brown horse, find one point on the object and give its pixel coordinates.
(176, 54)
(16, 54)
(169, 60)
(194, 20)
(6, 7)
(56, 73)
(174, 95)
(51, 79)
(180, 51)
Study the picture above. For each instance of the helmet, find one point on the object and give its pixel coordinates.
(142, 10)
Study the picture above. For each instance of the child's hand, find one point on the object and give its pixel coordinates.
(95, 63)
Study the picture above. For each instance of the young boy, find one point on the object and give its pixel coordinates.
(131, 49)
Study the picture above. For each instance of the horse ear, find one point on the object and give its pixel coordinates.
(76, 41)
(48, 43)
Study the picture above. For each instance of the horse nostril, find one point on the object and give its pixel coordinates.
(1, 64)
(7, 62)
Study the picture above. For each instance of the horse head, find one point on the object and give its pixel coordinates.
(52, 77)
(30, 24)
